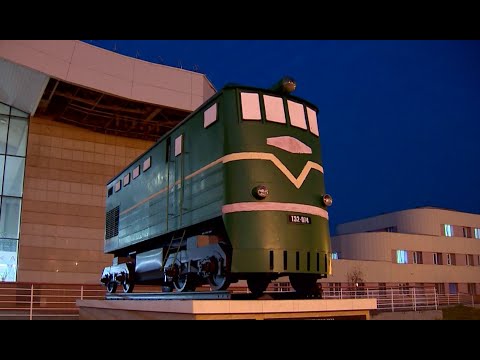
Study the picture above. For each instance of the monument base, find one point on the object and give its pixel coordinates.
(334, 309)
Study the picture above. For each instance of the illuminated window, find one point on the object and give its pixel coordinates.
(312, 121)
(178, 145)
(118, 185)
(136, 172)
(210, 116)
(250, 106)
(402, 257)
(477, 233)
(126, 179)
(147, 163)
(297, 115)
(335, 256)
(274, 109)
(417, 257)
(448, 230)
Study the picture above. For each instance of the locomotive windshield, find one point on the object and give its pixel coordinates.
(300, 115)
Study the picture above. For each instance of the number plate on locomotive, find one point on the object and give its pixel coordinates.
(299, 219)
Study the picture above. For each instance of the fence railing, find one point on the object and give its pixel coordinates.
(28, 301)
(43, 301)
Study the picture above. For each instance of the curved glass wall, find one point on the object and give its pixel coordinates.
(13, 149)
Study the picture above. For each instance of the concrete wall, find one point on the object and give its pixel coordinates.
(63, 212)
(83, 64)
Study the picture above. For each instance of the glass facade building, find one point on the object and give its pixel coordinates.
(13, 150)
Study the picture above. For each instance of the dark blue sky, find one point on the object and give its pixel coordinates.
(399, 120)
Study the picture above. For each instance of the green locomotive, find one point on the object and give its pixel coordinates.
(234, 192)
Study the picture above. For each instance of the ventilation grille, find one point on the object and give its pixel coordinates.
(111, 227)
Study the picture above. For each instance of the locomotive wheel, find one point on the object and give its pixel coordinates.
(257, 285)
(127, 286)
(218, 282)
(111, 287)
(185, 282)
(304, 283)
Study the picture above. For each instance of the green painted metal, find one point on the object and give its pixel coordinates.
(178, 191)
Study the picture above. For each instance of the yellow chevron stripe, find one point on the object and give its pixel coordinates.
(268, 156)
(242, 156)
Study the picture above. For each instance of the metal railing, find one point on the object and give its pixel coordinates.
(27, 301)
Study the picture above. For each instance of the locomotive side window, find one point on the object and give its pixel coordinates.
(274, 109)
(110, 192)
(210, 116)
(250, 106)
(126, 180)
(312, 121)
(297, 115)
(118, 185)
(136, 172)
(178, 145)
(147, 163)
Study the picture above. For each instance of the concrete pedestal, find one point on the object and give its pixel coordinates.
(226, 309)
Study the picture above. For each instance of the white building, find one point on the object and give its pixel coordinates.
(421, 247)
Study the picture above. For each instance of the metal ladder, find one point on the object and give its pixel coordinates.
(170, 246)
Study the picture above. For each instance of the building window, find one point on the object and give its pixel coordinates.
(382, 287)
(469, 259)
(417, 257)
(448, 230)
(391, 229)
(437, 258)
(13, 150)
(404, 288)
(477, 233)
(467, 232)
(334, 256)
(402, 257)
(250, 106)
(136, 172)
(453, 288)
(210, 116)
(451, 260)
(147, 163)
(440, 288)
(471, 289)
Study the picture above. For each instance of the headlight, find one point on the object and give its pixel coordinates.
(327, 200)
(260, 192)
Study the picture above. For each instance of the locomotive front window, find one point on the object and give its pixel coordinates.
(312, 121)
(210, 116)
(250, 106)
(297, 114)
(274, 109)
(118, 185)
